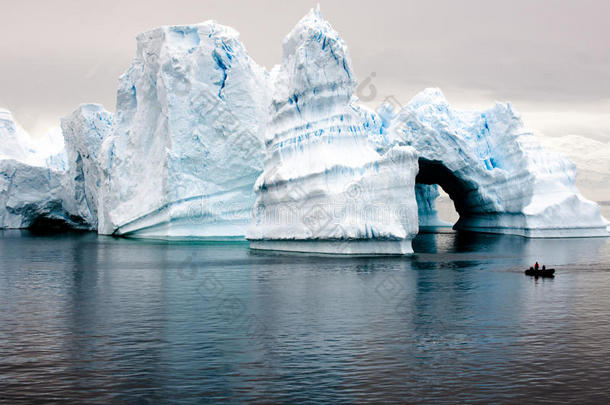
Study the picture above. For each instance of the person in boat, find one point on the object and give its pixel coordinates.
(536, 266)
(543, 267)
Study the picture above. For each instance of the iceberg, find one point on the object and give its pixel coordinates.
(187, 138)
(498, 175)
(325, 187)
(33, 183)
(205, 143)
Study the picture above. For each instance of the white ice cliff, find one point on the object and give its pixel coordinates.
(500, 178)
(325, 188)
(84, 131)
(33, 184)
(187, 143)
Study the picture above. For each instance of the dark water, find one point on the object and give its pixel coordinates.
(96, 319)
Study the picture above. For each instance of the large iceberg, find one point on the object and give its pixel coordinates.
(187, 143)
(325, 187)
(33, 182)
(206, 143)
(499, 177)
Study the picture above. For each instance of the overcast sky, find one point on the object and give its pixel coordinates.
(551, 59)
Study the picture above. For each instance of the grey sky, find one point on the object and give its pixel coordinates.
(550, 58)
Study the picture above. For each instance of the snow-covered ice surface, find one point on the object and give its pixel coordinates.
(33, 183)
(497, 173)
(84, 131)
(325, 187)
(187, 143)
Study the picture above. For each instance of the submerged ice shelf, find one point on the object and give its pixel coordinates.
(205, 143)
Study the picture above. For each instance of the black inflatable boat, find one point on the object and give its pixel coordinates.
(540, 272)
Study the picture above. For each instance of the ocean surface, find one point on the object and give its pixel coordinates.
(86, 318)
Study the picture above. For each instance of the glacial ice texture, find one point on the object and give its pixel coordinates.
(325, 188)
(500, 178)
(187, 143)
(33, 181)
(197, 121)
(84, 131)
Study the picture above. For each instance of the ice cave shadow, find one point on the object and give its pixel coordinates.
(435, 172)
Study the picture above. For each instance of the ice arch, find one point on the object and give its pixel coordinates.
(500, 179)
(435, 173)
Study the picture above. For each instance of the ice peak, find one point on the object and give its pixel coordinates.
(311, 27)
(313, 15)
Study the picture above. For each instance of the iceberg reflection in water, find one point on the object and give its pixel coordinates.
(86, 317)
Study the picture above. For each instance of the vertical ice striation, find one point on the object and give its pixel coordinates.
(187, 144)
(498, 175)
(325, 188)
(84, 131)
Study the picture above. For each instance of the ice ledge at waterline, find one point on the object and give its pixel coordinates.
(343, 247)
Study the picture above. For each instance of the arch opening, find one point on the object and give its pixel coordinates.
(433, 172)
